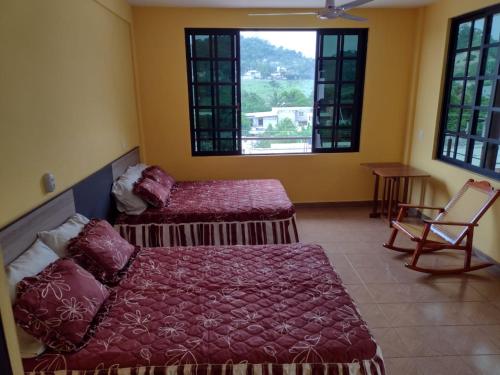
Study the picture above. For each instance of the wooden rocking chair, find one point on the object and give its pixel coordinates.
(453, 227)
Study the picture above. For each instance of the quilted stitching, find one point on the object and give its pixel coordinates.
(198, 305)
(219, 200)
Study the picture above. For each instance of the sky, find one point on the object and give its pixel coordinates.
(300, 41)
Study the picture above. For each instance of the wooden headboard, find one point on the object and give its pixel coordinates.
(90, 197)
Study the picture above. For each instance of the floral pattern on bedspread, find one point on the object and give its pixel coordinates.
(192, 307)
(219, 200)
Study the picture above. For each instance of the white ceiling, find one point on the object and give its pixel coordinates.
(272, 3)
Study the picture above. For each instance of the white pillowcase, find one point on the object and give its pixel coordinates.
(57, 239)
(30, 263)
(126, 200)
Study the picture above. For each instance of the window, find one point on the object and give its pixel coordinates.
(470, 124)
(251, 94)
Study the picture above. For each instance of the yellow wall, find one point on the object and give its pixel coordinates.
(447, 179)
(160, 54)
(67, 102)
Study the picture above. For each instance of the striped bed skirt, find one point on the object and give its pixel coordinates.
(262, 232)
(374, 366)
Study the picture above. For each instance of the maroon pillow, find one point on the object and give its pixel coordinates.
(152, 192)
(157, 174)
(101, 250)
(58, 305)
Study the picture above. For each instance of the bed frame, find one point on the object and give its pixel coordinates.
(90, 197)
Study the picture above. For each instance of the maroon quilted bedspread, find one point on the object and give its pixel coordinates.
(219, 200)
(226, 306)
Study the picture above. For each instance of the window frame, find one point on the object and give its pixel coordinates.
(488, 14)
(358, 99)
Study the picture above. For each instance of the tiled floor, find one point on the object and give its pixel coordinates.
(425, 324)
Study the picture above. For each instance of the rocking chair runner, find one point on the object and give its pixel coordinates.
(453, 227)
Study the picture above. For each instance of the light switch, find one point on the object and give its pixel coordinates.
(49, 182)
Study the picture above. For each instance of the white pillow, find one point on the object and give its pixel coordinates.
(30, 263)
(57, 239)
(126, 200)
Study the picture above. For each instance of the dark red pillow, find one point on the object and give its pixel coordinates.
(152, 192)
(58, 305)
(101, 250)
(157, 174)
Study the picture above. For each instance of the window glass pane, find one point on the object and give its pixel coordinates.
(491, 61)
(470, 93)
(224, 71)
(330, 45)
(481, 123)
(473, 63)
(347, 93)
(457, 90)
(486, 92)
(344, 138)
(326, 116)
(226, 145)
(349, 70)
(327, 70)
(464, 35)
(204, 119)
(495, 125)
(461, 149)
(326, 94)
(350, 45)
(465, 123)
(477, 151)
(224, 48)
(204, 95)
(477, 36)
(345, 116)
(460, 63)
(323, 138)
(453, 118)
(226, 119)
(226, 95)
(449, 146)
(206, 145)
(492, 160)
(202, 43)
(203, 71)
(495, 29)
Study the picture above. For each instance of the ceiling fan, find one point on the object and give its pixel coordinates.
(329, 12)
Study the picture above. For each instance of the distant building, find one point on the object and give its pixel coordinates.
(252, 74)
(300, 116)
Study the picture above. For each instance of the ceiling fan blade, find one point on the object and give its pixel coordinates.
(284, 14)
(330, 4)
(351, 17)
(354, 4)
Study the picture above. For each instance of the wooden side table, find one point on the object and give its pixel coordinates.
(392, 174)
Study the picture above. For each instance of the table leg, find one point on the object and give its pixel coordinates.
(374, 212)
(390, 200)
(406, 181)
(384, 198)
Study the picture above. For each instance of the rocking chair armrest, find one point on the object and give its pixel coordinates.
(433, 222)
(407, 205)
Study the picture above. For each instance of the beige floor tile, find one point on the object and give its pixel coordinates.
(424, 314)
(359, 293)
(426, 341)
(373, 315)
(483, 365)
(390, 342)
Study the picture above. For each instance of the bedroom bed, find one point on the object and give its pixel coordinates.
(278, 309)
(219, 212)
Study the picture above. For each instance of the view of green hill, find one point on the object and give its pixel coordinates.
(258, 54)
